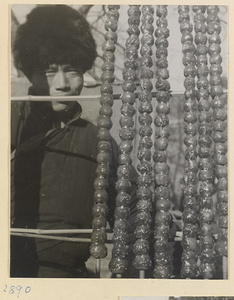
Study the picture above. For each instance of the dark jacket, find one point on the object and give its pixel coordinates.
(53, 170)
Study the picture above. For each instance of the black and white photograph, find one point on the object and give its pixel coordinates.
(119, 153)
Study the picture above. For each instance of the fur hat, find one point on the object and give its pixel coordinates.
(54, 34)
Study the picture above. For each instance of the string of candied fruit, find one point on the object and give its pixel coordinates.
(206, 165)
(161, 168)
(98, 237)
(219, 127)
(189, 241)
(142, 260)
(118, 263)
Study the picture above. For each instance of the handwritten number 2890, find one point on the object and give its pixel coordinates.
(16, 290)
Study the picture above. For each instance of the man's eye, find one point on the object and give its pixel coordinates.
(72, 71)
(49, 73)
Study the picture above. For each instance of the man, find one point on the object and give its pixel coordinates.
(54, 150)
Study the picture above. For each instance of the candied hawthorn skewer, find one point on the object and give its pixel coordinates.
(141, 247)
(219, 126)
(161, 168)
(206, 165)
(100, 210)
(189, 217)
(118, 263)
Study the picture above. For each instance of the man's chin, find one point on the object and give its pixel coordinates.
(59, 106)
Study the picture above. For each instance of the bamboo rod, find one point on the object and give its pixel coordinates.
(51, 231)
(76, 98)
(60, 238)
(54, 98)
(178, 235)
(98, 268)
(141, 274)
(225, 267)
(54, 231)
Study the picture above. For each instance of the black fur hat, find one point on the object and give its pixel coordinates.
(54, 34)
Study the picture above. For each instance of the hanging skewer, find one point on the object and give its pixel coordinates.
(141, 247)
(98, 248)
(219, 130)
(189, 242)
(162, 133)
(118, 263)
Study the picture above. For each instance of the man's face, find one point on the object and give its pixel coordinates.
(58, 80)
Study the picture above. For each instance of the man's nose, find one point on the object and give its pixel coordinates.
(61, 81)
